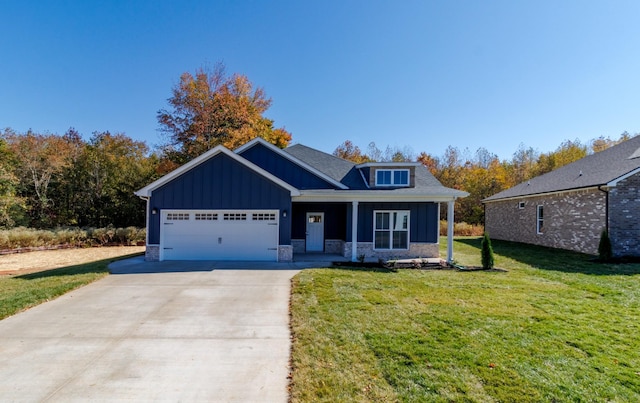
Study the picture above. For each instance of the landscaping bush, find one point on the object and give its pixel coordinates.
(486, 252)
(21, 237)
(605, 251)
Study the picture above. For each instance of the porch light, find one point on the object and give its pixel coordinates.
(284, 213)
(154, 211)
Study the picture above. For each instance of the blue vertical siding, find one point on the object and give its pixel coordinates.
(335, 223)
(284, 169)
(423, 220)
(220, 183)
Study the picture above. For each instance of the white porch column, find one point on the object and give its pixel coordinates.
(450, 205)
(354, 231)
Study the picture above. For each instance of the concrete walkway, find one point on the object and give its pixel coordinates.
(170, 332)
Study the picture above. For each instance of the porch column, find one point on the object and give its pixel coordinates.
(450, 205)
(354, 231)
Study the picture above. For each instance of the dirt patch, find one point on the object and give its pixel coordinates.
(30, 262)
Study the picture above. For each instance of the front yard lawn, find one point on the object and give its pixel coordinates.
(20, 292)
(555, 327)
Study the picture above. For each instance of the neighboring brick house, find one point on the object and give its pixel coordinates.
(569, 207)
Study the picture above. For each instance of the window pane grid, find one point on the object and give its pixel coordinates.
(391, 230)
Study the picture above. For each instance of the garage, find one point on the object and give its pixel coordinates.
(219, 235)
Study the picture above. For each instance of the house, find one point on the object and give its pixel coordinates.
(260, 202)
(569, 207)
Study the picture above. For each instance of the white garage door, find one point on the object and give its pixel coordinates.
(219, 235)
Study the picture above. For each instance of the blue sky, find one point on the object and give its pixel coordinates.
(419, 74)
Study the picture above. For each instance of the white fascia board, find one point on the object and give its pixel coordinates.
(387, 164)
(368, 196)
(614, 182)
(146, 191)
(300, 163)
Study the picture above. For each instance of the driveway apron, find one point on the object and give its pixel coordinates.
(220, 335)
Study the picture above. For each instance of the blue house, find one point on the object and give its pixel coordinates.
(263, 203)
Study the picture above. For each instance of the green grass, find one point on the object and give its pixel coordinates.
(555, 327)
(21, 292)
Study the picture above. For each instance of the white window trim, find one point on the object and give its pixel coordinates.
(521, 205)
(390, 230)
(539, 220)
(393, 176)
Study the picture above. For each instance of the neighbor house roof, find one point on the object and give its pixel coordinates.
(603, 168)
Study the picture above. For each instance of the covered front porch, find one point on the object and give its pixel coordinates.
(322, 230)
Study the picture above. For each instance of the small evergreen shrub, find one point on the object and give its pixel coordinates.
(486, 251)
(605, 250)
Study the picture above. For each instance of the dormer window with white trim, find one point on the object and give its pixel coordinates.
(392, 177)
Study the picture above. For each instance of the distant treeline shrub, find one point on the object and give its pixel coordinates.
(462, 229)
(22, 237)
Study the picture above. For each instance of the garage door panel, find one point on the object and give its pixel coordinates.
(220, 235)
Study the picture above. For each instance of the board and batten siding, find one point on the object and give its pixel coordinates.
(220, 183)
(284, 169)
(423, 220)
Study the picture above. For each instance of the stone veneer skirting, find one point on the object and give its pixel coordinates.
(331, 246)
(152, 253)
(285, 253)
(416, 250)
(573, 220)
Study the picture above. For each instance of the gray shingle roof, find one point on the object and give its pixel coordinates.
(593, 170)
(347, 173)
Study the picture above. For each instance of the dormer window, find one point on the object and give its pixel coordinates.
(392, 177)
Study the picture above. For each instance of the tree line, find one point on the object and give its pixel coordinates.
(481, 173)
(51, 180)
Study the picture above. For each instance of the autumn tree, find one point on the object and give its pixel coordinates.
(350, 152)
(39, 160)
(109, 169)
(12, 206)
(211, 108)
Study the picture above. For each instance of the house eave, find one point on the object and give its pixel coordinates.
(554, 192)
(370, 196)
(614, 182)
(148, 190)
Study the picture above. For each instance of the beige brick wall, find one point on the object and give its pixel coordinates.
(572, 220)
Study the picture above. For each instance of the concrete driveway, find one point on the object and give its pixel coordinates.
(202, 335)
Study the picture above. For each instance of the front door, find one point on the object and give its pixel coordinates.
(315, 232)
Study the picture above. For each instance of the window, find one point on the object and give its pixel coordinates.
(206, 216)
(540, 219)
(392, 177)
(521, 205)
(391, 229)
(264, 217)
(235, 217)
(177, 216)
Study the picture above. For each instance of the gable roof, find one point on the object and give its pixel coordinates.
(349, 174)
(301, 162)
(147, 190)
(603, 168)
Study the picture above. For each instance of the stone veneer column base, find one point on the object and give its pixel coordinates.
(416, 250)
(285, 253)
(152, 253)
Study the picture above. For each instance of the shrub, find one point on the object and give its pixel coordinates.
(486, 251)
(22, 237)
(605, 250)
(462, 229)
